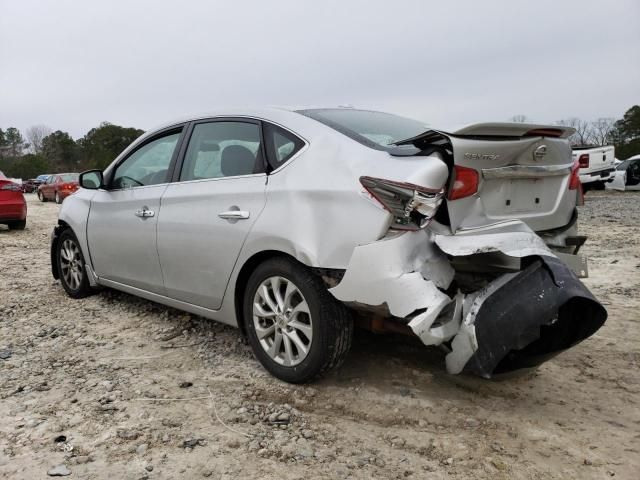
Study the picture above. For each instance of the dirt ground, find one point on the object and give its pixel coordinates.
(118, 387)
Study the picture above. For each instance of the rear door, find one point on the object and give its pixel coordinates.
(208, 212)
(122, 223)
(47, 188)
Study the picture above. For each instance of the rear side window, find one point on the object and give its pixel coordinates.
(281, 145)
(223, 149)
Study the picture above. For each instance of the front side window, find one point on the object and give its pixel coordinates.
(223, 149)
(149, 165)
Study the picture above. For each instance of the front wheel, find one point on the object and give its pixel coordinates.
(41, 196)
(296, 329)
(71, 266)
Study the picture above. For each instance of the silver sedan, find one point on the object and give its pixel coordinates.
(294, 225)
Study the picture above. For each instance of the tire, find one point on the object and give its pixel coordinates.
(17, 225)
(58, 199)
(41, 196)
(73, 274)
(328, 322)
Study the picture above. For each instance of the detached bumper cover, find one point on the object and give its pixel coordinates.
(523, 319)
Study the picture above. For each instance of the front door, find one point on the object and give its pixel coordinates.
(208, 213)
(121, 230)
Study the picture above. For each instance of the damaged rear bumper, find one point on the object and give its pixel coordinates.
(535, 309)
(523, 319)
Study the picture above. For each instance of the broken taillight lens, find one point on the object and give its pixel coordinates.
(465, 182)
(583, 161)
(412, 206)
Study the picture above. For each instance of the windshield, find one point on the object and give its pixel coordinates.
(42, 177)
(374, 129)
(69, 177)
(623, 165)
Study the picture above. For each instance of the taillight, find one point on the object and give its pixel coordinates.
(412, 206)
(465, 182)
(574, 179)
(583, 161)
(574, 182)
(13, 187)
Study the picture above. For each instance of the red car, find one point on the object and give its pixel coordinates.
(13, 207)
(58, 187)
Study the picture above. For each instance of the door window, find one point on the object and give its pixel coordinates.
(223, 149)
(148, 165)
(281, 145)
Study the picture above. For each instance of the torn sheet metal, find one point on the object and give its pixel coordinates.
(389, 272)
(523, 319)
(515, 244)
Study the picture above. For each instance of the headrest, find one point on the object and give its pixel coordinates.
(237, 160)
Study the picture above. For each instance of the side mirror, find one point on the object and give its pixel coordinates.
(91, 179)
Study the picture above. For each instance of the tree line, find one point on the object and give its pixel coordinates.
(42, 150)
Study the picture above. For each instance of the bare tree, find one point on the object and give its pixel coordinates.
(583, 135)
(35, 135)
(519, 119)
(601, 130)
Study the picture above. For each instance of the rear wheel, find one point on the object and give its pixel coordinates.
(71, 266)
(17, 225)
(41, 196)
(58, 198)
(296, 329)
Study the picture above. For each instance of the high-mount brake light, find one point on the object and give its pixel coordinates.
(465, 183)
(412, 206)
(583, 161)
(544, 132)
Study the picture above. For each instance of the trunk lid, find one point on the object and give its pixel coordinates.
(522, 172)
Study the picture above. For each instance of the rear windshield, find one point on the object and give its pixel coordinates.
(69, 177)
(374, 129)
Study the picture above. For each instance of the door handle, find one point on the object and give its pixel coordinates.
(144, 212)
(234, 215)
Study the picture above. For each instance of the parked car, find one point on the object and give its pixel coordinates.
(58, 187)
(597, 166)
(13, 207)
(31, 185)
(627, 176)
(293, 225)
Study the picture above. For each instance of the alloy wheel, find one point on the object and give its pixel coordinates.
(71, 264)
(282, 321)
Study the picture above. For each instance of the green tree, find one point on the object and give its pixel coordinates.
(61, 152)
(14, 143)
(101, 145)
(626, 134)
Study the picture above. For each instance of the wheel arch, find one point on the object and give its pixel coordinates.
(57, 231)
(329, 276)
(243, 276)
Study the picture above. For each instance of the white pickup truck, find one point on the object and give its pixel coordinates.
(597, 166)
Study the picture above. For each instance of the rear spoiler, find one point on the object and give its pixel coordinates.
(493, 131)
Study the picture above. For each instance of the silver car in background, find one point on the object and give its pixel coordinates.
(295, 224)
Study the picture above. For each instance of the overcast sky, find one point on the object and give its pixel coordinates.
(73, 64)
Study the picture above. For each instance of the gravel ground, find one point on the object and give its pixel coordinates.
(117, 387)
